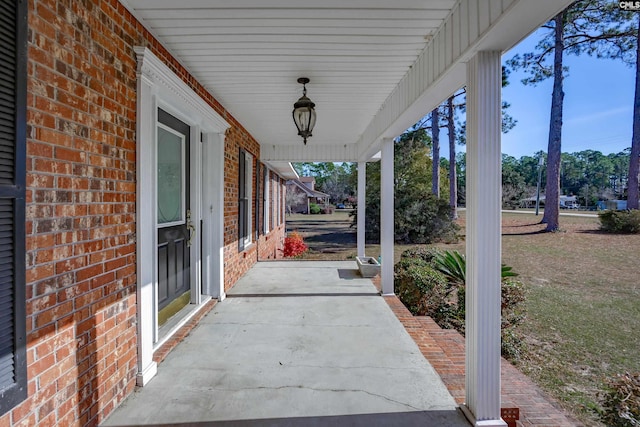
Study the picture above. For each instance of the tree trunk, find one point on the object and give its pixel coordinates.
(435, 134)
(453, 184)
(632, 197)
(552, 191)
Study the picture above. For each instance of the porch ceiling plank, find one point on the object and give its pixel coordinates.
(389, 27)
(296, 13)
(345, 48)
(304, 39)
(375, 66)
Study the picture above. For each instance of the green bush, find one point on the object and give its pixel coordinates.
(314, 209)
(425, 253)
(621, 402)
(420, 288)
(430, 282)
(512, 345)
(513, 295)
(425, 220)
(620, 221)
(425, 291)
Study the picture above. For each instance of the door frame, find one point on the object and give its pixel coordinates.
(159, 87)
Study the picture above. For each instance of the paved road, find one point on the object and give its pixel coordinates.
(584, 215)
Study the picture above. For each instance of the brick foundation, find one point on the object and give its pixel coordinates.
(445, 351)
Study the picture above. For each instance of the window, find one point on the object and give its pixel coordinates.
(274, 205)
(265, 199)
(258, 199)
(280, 201)
(244, 199)
(276, 202)
(13, 72)
(283, 201)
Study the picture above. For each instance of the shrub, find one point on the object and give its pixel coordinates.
(421, 220)
(328, 210)
(294, 245)
(512, 344)
(453, 265)
(420, 288)
(425, 220)
(314, 209)
(430, 282)
(620, 221)
(425, 253)
(513, 295)
(621, 402)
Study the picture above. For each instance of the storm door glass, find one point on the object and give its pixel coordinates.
(171, 176)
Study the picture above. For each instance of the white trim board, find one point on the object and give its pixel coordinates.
(159, 87)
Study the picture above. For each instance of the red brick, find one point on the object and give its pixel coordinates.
(445, 352)
(81, 203)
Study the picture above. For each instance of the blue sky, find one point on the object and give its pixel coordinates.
(598, 107)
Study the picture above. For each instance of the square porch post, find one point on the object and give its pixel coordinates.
(386, 216)
(362, 206)
(484, 77)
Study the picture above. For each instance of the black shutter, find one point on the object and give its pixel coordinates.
(13, 76)
(242, 202)
(265, 214)
(257, 211)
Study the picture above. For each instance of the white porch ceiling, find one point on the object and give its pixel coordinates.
(357, 53)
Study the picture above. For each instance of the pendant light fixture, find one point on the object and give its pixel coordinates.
(304, 115)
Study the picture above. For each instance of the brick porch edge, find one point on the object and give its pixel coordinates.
(161, 353)
(444, 349)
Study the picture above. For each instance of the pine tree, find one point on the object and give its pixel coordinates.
(595, 27)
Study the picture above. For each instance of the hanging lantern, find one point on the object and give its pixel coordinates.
(304, 115)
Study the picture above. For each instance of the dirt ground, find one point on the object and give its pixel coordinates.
(329, 237)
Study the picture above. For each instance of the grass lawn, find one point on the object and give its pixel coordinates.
(583, 322)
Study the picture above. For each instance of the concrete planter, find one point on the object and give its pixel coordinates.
(368, 266)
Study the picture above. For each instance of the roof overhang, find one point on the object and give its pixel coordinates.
(376, 67)
(284, 169)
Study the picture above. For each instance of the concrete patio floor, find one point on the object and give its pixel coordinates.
(296, 343)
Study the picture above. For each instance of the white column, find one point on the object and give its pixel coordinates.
(386, 216)
(213, 214)
(196, 188)
(362, 205)
(146, 241)
(484, 79)
(217, 165)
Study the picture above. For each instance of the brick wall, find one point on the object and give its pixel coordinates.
(237, 263)
(81, 262)
(270, 246)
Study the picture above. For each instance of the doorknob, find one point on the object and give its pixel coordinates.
(190, 227)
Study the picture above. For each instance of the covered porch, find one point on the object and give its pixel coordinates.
(374, 70)
(301, 343)
(311, 343)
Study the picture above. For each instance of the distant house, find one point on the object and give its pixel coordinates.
(302, 194)
(566, 202)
